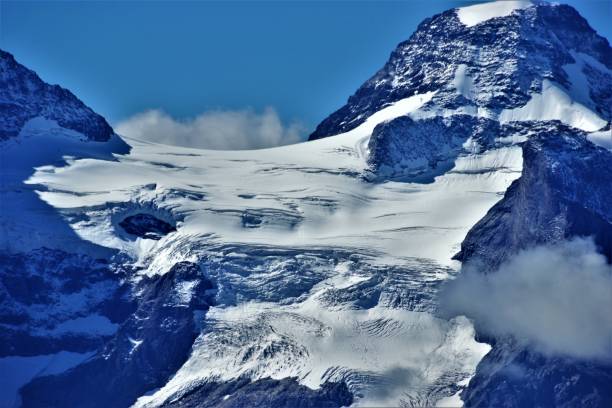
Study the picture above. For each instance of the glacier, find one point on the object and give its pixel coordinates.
(306, 199)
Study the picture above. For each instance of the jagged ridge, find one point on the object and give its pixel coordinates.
(23, 96)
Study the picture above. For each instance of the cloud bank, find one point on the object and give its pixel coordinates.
(556, 298)
(218, 130)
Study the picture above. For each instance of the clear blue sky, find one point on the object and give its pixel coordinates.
(302, 58)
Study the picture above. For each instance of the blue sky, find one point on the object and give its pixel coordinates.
(301, 58)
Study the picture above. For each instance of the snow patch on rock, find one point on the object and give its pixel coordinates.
(479, 13)
(555, 104)
(18, 371)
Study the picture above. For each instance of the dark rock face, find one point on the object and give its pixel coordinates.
(37, 299)
(265, 393)
(506, 58)
(564, 191)
(513, 376)
(146, 351)
(23, 96)
(146, 226)
(421, 149)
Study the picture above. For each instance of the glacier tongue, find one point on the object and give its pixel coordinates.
(386, 355)
(320, 274)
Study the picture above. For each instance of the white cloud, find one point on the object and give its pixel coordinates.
(219, 130)
(556, 298)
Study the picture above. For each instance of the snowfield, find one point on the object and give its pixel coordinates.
(395, 241)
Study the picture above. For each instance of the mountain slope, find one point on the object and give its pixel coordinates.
(24, 96)
(563, 192)
(60, 297)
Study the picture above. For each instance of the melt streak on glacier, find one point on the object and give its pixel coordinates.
(310, 201)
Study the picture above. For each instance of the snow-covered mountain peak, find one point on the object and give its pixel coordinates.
(481, 65)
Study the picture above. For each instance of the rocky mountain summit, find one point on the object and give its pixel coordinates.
(487, 65)
(24, 96)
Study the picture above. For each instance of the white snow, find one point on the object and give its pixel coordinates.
(580, 92)
(93, 324)
(184, 292)
(579, 89)
(289, 179)
(454, 401)
(308, 196)
(571, 106)
(554, 103)
(463, 83)
(18, 371)
(603, 138)
(27, 222)
(135, 344)
(479, 13)
(404, 351)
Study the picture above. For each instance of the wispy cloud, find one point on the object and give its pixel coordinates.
(219, 130)
(557, 298)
